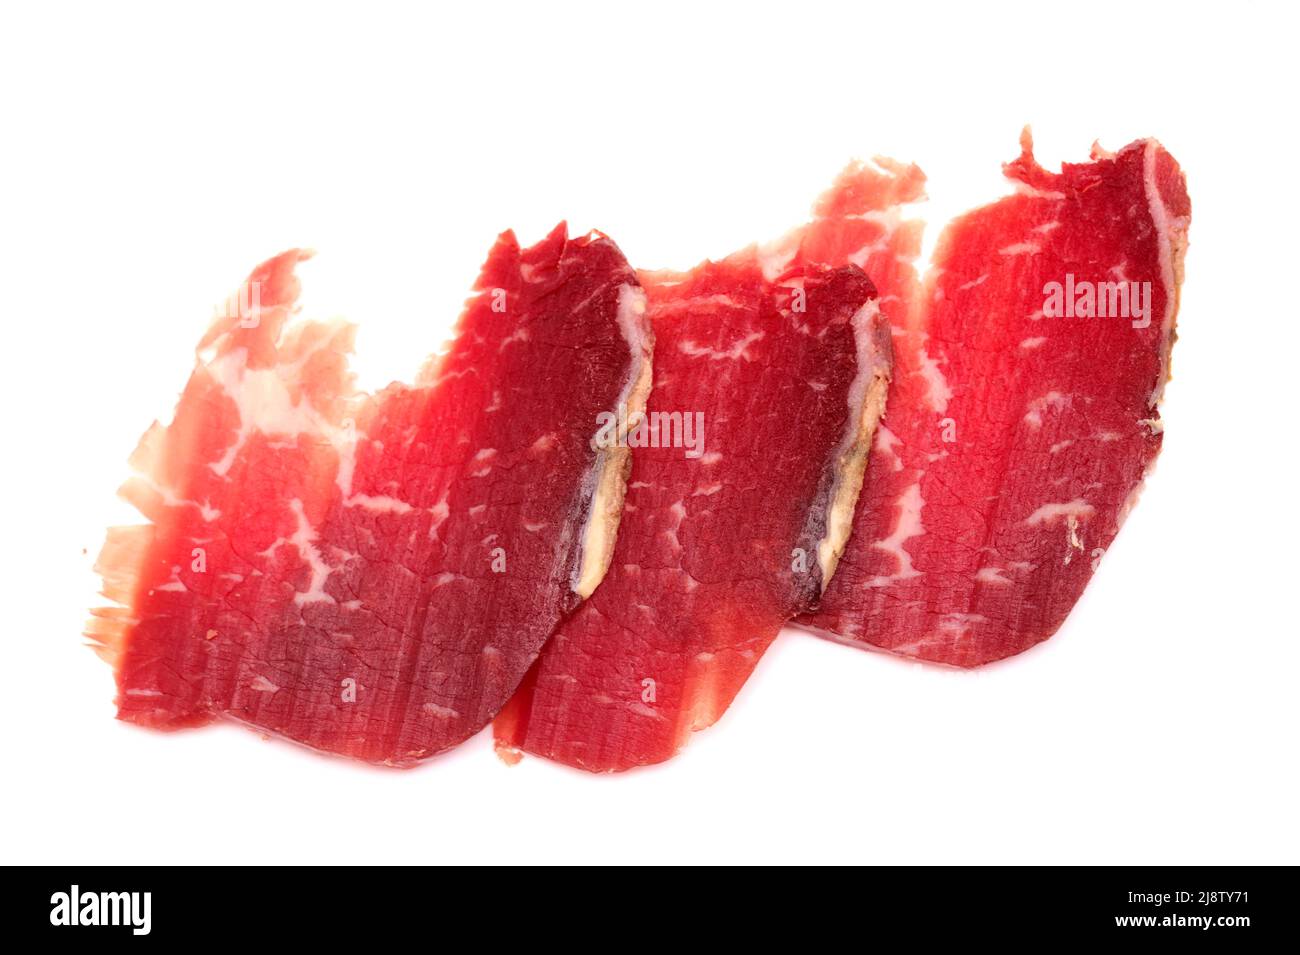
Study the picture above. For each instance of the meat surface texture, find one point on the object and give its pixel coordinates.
(775, 383)
(591, 515)
(1023, 414)
(372, 575)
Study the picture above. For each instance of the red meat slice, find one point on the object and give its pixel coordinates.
(373, 575)
(724, 539)
(1016, 442)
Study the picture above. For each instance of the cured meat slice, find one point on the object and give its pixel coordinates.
(1023, 416)
(373, 575)
(774, 385)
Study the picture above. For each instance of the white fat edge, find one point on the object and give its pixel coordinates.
(866, 400)
(1172, 240)
(607, 479)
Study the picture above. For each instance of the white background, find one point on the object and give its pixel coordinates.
(152, 155)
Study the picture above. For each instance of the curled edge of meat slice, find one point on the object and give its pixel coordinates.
(867, 397)
(614, 457)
